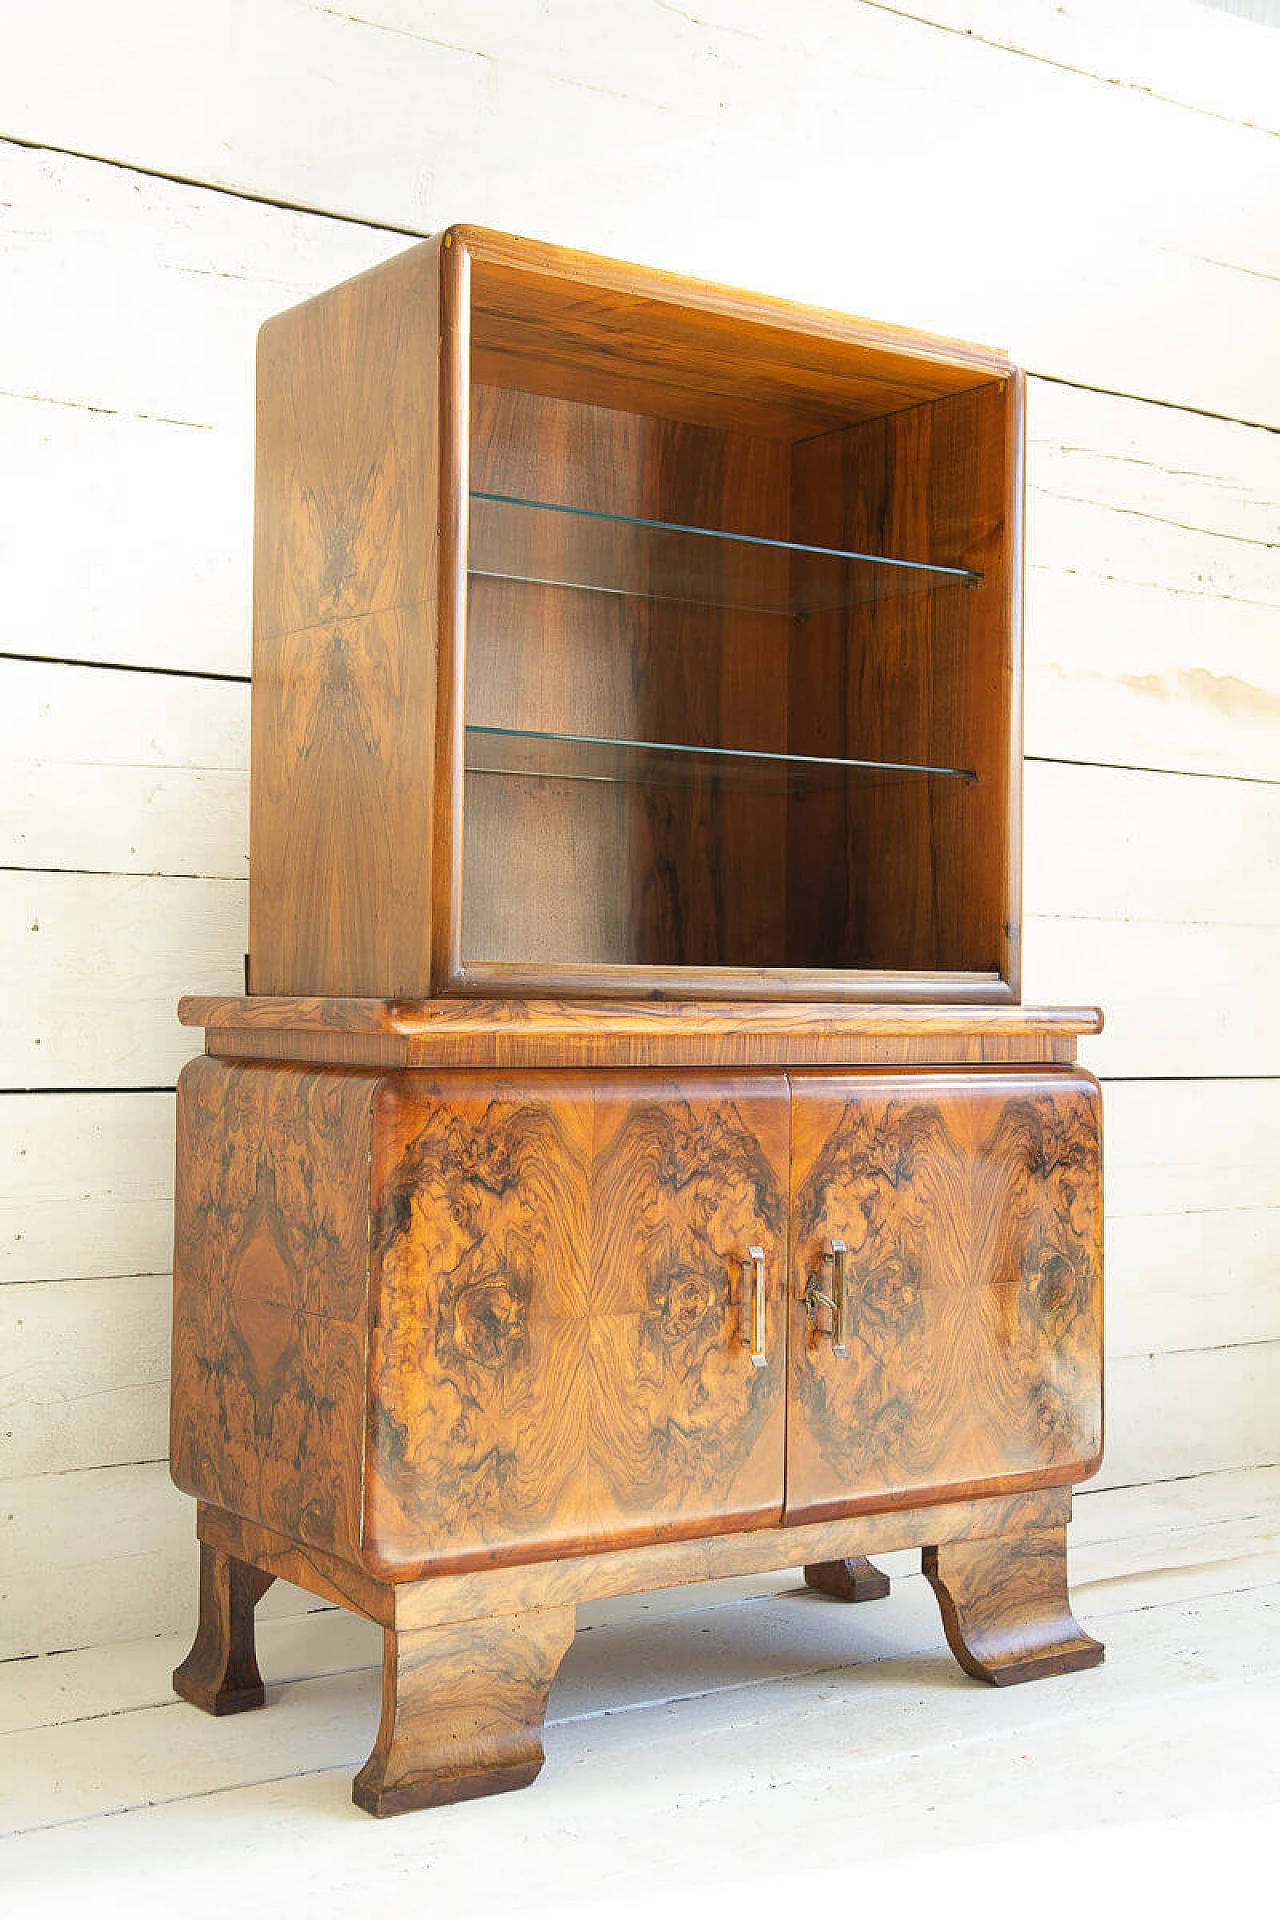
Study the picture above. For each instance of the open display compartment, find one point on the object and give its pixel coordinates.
(618, 635)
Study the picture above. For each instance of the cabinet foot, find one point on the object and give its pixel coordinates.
(1005, 1606)
(220, 1674)
(462, 1709)
(855, 1579)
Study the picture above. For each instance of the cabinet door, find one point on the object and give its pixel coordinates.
(957, 1220)
(563, 1276)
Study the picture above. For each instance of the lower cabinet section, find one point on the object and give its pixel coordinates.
(946, 1296)
(458, 1350)
(440, 1322)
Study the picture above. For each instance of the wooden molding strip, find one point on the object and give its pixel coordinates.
(449, 1598)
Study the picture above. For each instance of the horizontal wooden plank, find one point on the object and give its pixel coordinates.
(1192, 1183)
(1183, 999)
(126, 448)
(1110, 844)
(86, 1184)
(177, 280)
(1119, 1536)
(127, 537)
(1161, 264)
(99, 963)
(1215, 61)
(1130, 656)
(1152, 604)
(118, 772)
(1170, 1415)
(1193, 1222)
(86, 1180)
(106, 1553)
(86, 1380)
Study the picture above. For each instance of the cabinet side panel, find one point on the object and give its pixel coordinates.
(557, 1359)
(346, 561)
(969, 1206)
(271, 1263)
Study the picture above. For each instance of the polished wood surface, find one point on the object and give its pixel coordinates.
(270, 1295)
(596, 1034)
(380, 866)
(588, 874)
(220, 1674)
(462, 1709)
(1005, 1606)
(347, 573)
(914, 873)
(557, 1358)
(970, 1207)
(851, 1580)
(550, 320)
(435, 1598)
(469, 1659)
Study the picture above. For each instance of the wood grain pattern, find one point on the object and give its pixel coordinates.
(556, 1357)
(522, 1033)
(912, 873)
(270, 1295)
(462, 1709)
(548, 320)
(509, 1048)
(441, 1599)
(220, 1674)
(346, 576)
(381, 865)
(1005, 1606)
(852, 1580)
(647, 881)
(971, 1208)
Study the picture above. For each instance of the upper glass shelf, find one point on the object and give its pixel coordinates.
(544, 544)
(665, 763)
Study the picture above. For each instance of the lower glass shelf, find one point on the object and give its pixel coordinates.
(664, 763)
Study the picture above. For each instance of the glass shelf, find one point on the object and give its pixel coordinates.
(543, 544)
(662, 763)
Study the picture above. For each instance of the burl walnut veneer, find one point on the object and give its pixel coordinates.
(630, 1164)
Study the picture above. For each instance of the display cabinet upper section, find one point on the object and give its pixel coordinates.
(618, 635)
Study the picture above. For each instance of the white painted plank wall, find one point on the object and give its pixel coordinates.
(1094, 185)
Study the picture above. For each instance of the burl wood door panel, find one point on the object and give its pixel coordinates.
(557, 1358)
(969, 1207)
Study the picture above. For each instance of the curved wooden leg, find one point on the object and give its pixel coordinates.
(855, 1579)
(1006, 1609)
(462, 1709)
(220, 1674)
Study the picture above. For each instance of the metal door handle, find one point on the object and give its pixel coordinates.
(753, 1305)
(834, 1255)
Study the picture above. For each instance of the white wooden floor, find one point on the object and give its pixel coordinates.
(711, 1750)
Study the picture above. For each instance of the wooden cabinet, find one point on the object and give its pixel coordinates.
(631, 1162)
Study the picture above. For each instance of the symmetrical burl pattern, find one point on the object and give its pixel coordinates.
(971, 1209)
(270, 1288)
(556, 1356)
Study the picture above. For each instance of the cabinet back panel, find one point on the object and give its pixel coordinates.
(579, 869)
(914, 872)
